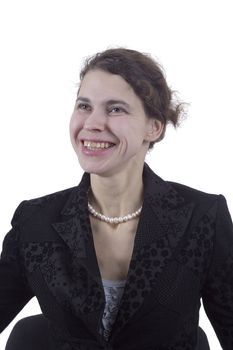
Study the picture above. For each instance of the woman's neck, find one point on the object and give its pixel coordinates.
(117, 195)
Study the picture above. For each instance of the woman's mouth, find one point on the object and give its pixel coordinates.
(97, 145)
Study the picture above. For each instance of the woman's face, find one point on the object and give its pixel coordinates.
(109, 129)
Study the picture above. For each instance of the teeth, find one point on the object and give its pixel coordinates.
(96, 145)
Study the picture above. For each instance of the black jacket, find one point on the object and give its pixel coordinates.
(183, 251)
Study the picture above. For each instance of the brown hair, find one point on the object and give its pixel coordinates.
(147, 79)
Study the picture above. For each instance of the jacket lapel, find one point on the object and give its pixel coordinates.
(163, 221)
(75, 231)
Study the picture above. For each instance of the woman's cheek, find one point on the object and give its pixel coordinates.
(74, 125)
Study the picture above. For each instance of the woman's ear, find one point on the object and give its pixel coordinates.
(155, 129)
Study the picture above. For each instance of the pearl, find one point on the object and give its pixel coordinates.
(116, 219)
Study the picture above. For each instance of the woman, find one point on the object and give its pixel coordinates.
(122, 260)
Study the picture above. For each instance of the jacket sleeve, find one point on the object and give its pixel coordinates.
(14, 292)
(218, 290)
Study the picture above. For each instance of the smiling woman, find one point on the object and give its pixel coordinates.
(102, 116)
(122, 260)
(145, 77)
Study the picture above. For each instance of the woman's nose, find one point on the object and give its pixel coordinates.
(96, 120)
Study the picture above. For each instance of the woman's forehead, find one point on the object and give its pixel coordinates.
(103, 85)
(104, 80)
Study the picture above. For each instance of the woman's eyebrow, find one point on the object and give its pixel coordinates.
(83, 99)
(113, 102)
(107, 102)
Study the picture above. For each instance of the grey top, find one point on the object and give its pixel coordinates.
(113, 293)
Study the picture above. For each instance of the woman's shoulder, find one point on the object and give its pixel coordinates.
(175, 194)
(191, 193)
(54, 196)
(176, 189)
(50, 204)
(196, 196)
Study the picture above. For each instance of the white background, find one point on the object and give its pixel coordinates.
(42, 46)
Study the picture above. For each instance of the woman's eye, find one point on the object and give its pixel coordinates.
(117, 110)
(83, 106)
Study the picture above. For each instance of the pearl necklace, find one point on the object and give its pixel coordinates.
(111, 219)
